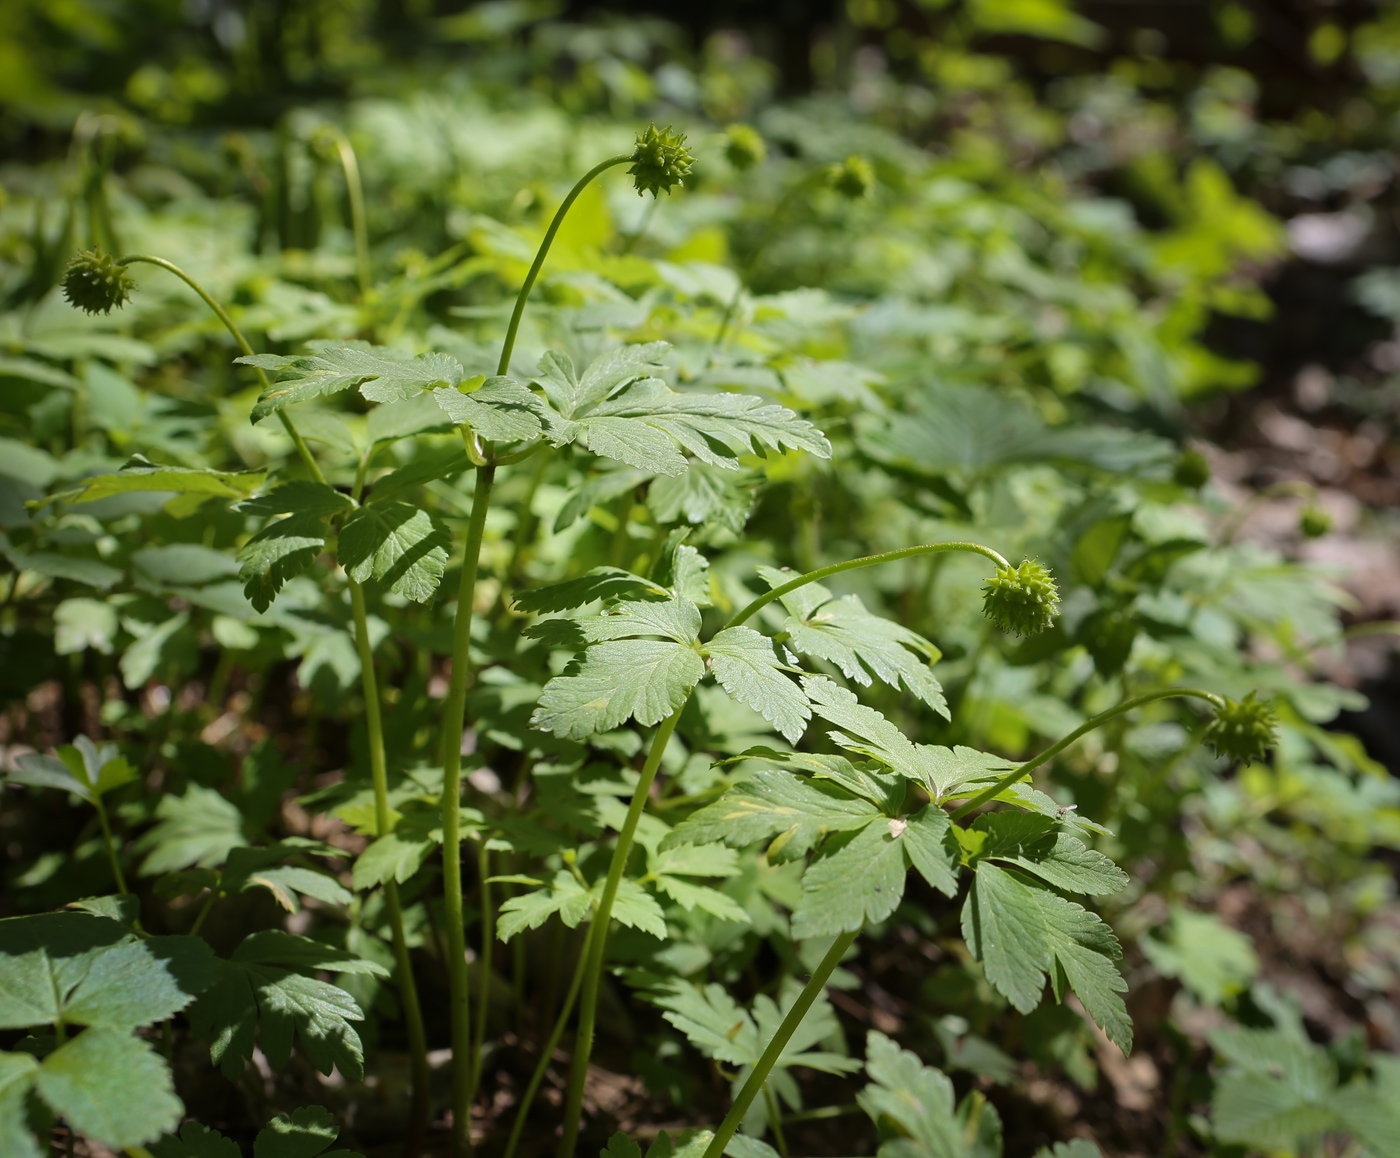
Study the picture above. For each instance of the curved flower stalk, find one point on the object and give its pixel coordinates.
(1243, 730)
(658, 163)
(95, 281)
(1035, 587)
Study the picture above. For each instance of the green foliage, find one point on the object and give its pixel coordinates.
(837, 344)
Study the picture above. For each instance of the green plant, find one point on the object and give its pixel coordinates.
(625, 736)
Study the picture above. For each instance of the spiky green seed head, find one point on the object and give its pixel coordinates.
(743, 147)
(96, 283)
(1243, 730)
(853, 178)
(1314, 522)
(660, 162)
(1192, 470)
(1023, 600)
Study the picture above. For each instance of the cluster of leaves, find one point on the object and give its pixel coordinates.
(962, 351)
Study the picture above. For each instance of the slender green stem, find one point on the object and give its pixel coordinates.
(110, 843)
(243, 345)
(408, 990)
(355, 191)
(598, 941)
(508, 347)
(775, 1119)
(483, 980)
(764, 1066)
(1088, 726)
(454, 712)
(453, 725)
(527, 1099)
(866, 561)
(204, 911)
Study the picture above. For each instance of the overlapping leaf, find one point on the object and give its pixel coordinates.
(842, 632)
(625, 415)
(387, 375)
(1023, 933)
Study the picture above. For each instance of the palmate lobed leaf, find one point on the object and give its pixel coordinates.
(633, 906)
(865, 730)
(500, 409)
(1022, 933)
(401, 546)
(746, 666)
(111, 1087)
(642, 679)
(91, 970)
(842, 632)
(383, 374)
(194, 483)
(918, 1101)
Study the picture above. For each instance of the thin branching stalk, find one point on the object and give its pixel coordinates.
(222, 315)
(408, 992)
(453, 726)
(598, 941)
(1059, 746)
(597, 948)
(454, 712)
(774, 1050)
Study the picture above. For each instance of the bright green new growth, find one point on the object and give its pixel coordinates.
(743, 147)
(853, 178)
(1022, 600)
(96, 282)
(661, 161)
(1243, 730)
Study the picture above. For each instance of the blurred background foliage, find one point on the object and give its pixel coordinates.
(1100, 232)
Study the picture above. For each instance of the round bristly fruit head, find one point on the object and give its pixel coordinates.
(1314, 522)
(95, 282)
(1023, 599)
(661, 160)
(1192, 470)
(853, 178)
(743, 147)
(1242, 730)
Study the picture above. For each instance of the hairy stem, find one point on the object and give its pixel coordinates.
(408, 990)
(598, 940)
(775, 1119)
(527, 1099)
(453, 725)
(1088, 726)
(243, 345)
(865, 561)
(764, 1066)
